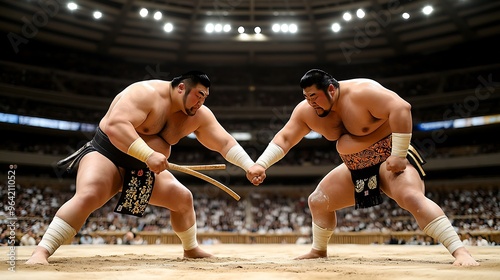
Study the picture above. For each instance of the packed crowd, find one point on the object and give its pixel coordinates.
(471, 210)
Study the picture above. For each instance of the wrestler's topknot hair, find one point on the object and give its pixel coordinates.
(192, 78)
(319, 78)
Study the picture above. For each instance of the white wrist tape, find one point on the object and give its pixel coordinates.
(442, 230)
(400, 144)
(58, 232)
(188, 238)
(237, 156)
(321, 237)
(140, 150)
(270, 156)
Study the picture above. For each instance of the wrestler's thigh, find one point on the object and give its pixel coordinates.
(398, 185)
(169, 192)
(338, 188)
(98, 175)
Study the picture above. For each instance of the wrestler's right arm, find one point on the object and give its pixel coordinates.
(293, 131)
(122, 119)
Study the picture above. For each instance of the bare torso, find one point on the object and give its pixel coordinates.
(163, 120)
(349, 123)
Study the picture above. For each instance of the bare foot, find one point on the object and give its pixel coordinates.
(463, 258)
(196, 253)
(40, 256)
(313, 254)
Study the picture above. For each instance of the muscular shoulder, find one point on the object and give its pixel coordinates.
(303, 113)
(154, 87)
(361, 86)
(302, 107)
(204, 115)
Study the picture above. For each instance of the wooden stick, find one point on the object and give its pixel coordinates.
(206, 167)
(202, 176)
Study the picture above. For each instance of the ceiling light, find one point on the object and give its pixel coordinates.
(293, 28)
(209, 28)
(97, 15)
(257, 30)
(276, 27)
(241, 29)
(335, 27)
(284, 28)
(158, 15)
(427, 10)
(406, 15)
(218, 27)
(347, 16)
(168, 27)
(143, 12)
(360, 13)
(226, 28)
(72, 6)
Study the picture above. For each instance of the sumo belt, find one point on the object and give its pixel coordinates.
(365, 165)
(138, 180)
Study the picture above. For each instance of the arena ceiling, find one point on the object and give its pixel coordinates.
(122, 32)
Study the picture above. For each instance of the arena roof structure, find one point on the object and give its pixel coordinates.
(251, 31)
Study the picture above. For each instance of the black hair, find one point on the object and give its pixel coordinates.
(192, 78)
(319, 78)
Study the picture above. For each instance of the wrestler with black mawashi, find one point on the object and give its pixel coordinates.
(130, 151)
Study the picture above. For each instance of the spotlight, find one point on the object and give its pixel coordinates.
(143, 12)
(335, 27)
(406, 15)
(257, 30)
(276, 27)
(284, 28)
(218, 27)
(158, 15)
(72, 6)
(168, 27)
(427, 10)
(360, 13)
(347, 16)
(241, 29)
(209, 28)
(97, 15)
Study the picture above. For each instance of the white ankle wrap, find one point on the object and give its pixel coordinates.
(58, 232)
(321, 237)
(188, 238)
(442, 230)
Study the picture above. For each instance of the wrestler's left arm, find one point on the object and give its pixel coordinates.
(212, 135)
(157, 143)
(385, 104)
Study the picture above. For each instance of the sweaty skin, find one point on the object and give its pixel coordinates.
(356, 115)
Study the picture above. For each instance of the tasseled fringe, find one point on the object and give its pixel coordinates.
(368, 201)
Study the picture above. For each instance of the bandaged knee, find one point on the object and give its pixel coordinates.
(441, 229)
(321, 237)
(188, 238)
(58, 232)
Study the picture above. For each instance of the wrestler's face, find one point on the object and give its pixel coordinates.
(321, 102)
(194, 97)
